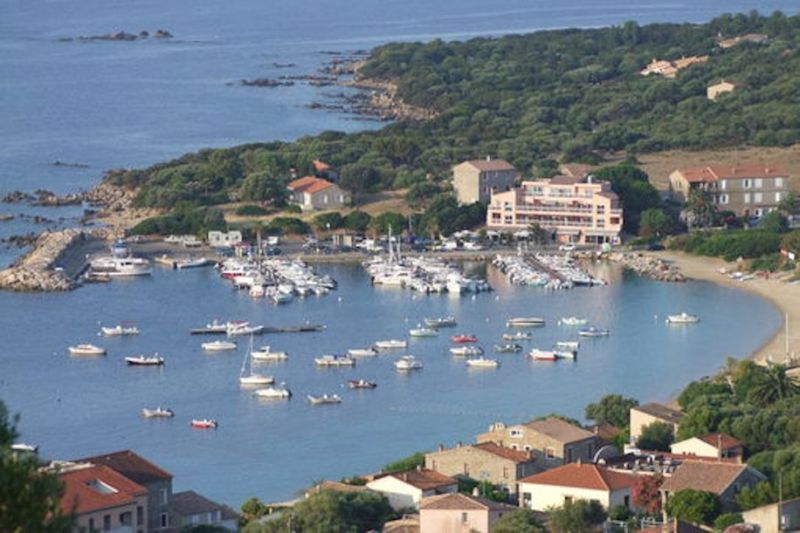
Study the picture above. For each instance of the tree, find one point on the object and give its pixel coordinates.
(775, 385)
(328, 221)
(645, 493)
(29, 497)
(791, 242)
(789, 204)
(635, 192)
(656, 436)
(612, 409)
(406, 463)
(522, 521)
(725, 520)
(357, 221)
(774, 222)
(539, 235)
(261, 187)
(655, 223)
(701, 208)
(577, 517)
(694, 506)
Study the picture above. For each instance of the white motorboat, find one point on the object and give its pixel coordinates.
(219, 346)
(683, 318)
(324, 399)
(525, 322)
(568, 345)
(423, 332)
(120, 266)
(518, 336)
(278, 392)
(280, 297)
(573, 321)
(334, 360)
(566, 354)
(243, 328)
(441, 322)
(482, 362)
(86, 349)
(593, 332)
(362, 352)
(21, 447)
(266, 355)
(141, 360)
(119, 330)
(406, 363)
(391, 344)
(466, 350)
(507, 348)
(158, 412)
(192, 263)
(543, 355)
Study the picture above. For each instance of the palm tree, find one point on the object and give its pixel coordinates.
(776, 385)
(702, 208)
(789, 204)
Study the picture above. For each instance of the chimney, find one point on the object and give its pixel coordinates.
(579, 462)
(476, 491)
(458, 444)
(441, 447)
(419, 468)
(488, 158)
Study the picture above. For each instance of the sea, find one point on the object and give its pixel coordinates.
(97, 105)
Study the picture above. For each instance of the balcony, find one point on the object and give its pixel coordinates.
(552, 208)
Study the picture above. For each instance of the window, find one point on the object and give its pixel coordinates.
(569, 455)
(777, 197)
(527, 447)
(758, 197)
(466, 469)
(516, 433)
(164, 520)
(163, 493)
(779, 182)
(723, 199)
(211, 517)
(759, 183)
(746, 184)
(139, 515)
(549, 453)
(195, 519)
(567, 499)
(505, 472)
(723, 184)
(747, 197)
(464, 518)
(514, 447)
(626, 501)
(91, 525)
(107, 522)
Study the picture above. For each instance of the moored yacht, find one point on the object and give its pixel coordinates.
(466, 350)
(86, 349)
(266, 355)
(683, 318)
(423, 332)
(391, 344)
(482, 362)
(219, 346)
(334, 360)
(119, 330)
(406, 363)
(362, 352)
(141, 360)
(276, 392)
(525, 322)
(158, 412)
(324, 399)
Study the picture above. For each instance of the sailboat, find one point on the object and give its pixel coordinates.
(252, 378)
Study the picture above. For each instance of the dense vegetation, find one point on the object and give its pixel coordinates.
(573, 94)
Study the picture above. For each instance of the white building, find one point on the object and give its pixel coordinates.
(406, 489)
(576, 481)
(224, 239)
(715, 445)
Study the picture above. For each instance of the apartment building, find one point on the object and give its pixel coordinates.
(476, 180)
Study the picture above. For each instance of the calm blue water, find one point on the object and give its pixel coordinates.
(109, 104)
(74, 407)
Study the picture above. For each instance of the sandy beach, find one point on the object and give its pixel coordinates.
(783, 295)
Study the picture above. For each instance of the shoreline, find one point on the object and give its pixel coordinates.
(783, 296)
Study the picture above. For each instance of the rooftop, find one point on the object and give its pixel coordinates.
(583, 476)
(721, 441)
(190, 503)
(660, 411)
(131, 465)
(517, 456)
(490, 164)
(706, 476)
(95, 488)
(559, 430)
(458, 501)
(309, 184)
(423, 479)
(731, 172)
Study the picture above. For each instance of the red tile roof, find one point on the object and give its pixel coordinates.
(320, 166)
(711, 477)
(83, 498)
(422, 479)
(491, 164)
(721, 441)
(731, 172)
(517, 456)
(583, 476)
(563, 432)
(131, 465)
(309, 184)
(458, 501)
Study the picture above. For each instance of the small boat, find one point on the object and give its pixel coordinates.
(466, 350)
(279, 297)
(192, 263)
(507, 348)
(525, 322)
(119, 330)
(141, 360)
(218, 346)
(21, 447)
(441, 322)
(205, 423)
(158, 412)
(266, 355)
(361, 384)
(573, 321)
(566, 354)
(324, 399)
(463, 339)
(256, 379)
(543, 355)
(482, 362)
(391, 344)
(274, 393)
(518, 336)
(423, 332)
(243, 328)
(334, 360)
(213, 327)
(362, 352)
(406, 363)
(86, 349)
(568, 345)
(593, 332)
(683, 318)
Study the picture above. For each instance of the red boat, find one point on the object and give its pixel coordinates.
(463, 339)
(204, 424)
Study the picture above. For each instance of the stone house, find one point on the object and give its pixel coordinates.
(137, 469)
(103, 500)
(407, 489)
(476, 180)
(457, 513)
(312, 193)
(775, 517)
(485, 461)
(644, 415)
(190, 509)
(554, 441)
(717, 445)
(576, 481)
(718, 89)
(723, 479)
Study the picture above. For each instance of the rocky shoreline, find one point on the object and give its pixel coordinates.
(648, 266)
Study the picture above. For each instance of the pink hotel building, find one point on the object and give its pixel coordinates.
(573, 210)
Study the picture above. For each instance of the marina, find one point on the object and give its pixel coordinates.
(549, 271)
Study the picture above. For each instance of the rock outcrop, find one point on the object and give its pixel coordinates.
(648, 266)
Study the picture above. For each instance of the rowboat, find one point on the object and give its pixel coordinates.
(86, 349)
(361, 384)
(274, 393)
(482, 362)
(324, 399)
(525, 322)
(158, 412)
(466, 350)
(141, 360)
(205, 423)
(462, 339)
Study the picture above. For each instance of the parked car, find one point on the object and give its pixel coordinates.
(568, 247)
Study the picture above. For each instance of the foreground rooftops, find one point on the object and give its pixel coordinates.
(458, 501)
(713, 477)
(421, 478)
(132, 466)
(309, 184)
(729, 172)
(97, 487)
(189, 503)
(583, 476)
(660, 411)
(518, 456)
(559, 430)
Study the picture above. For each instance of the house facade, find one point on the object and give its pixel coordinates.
(103, 500)
(460, 513)
(644, 415)
(553, 441)
(747, 190)
(775, 517)
(406, 489)
(157, 482)
(571, 209)
(576, 481)
(724, 479)
(190, 509)
(715, 445)
(476, 180)
(224, 239)
(485, 461)
(312, 193)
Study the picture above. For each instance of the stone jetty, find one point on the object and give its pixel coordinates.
(648, 266)
(37, 270)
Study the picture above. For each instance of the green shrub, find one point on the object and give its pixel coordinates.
(251, 210)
